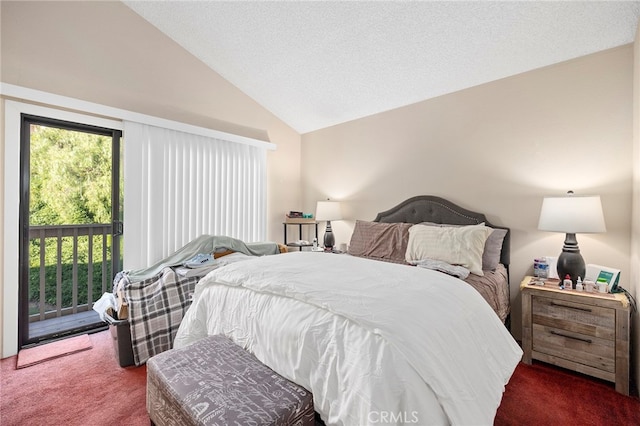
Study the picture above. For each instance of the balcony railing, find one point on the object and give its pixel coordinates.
(61, 284)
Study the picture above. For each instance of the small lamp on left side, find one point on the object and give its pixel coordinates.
(328, 210)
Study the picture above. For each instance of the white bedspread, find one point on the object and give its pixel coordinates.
(374, 342)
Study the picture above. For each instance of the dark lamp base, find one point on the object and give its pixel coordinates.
(329, 239)
(570, 261)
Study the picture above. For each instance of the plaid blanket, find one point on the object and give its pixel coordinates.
(158, 297)
(156, 308)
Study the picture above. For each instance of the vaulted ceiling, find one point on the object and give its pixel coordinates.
(317, 64)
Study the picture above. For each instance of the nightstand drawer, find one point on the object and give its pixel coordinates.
(587, 320)
(579, 348)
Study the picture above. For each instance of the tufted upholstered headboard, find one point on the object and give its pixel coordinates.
(429, 208)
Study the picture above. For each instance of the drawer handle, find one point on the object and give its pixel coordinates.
(571, 337)
(570, 307)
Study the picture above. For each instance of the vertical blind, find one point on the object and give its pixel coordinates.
(178, 186)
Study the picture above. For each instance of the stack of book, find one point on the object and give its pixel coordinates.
(299, 217)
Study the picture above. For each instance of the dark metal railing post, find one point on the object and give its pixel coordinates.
(58, 274)
(90, 268)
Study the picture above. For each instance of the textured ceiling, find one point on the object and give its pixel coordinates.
(317, 64)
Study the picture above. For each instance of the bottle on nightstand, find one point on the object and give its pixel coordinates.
(316, 247)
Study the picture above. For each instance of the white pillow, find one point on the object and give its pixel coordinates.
(458, 246)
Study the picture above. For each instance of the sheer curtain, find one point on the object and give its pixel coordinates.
(178, 186)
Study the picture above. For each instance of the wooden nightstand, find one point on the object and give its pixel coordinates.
(584, 332)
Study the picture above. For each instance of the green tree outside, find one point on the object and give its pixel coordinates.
(70, 183)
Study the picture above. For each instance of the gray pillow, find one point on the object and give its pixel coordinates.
(493, 249)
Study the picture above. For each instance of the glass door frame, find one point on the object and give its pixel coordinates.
(24, 208)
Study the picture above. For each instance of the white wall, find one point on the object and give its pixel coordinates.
(498, 148)
(635, 231)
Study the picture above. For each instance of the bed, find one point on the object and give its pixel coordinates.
(374, 339)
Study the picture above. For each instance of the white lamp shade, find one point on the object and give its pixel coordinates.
(328, 210)
(572, 215)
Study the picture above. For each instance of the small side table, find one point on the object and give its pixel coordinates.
(299, 224)
(584, 332)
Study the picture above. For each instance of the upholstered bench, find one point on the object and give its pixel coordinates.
(216, 382)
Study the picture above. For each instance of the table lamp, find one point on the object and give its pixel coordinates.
(571, 214)
(328, 210)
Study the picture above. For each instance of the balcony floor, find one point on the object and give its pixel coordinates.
(64, 326)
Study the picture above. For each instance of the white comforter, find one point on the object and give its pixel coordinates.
(374, 342)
